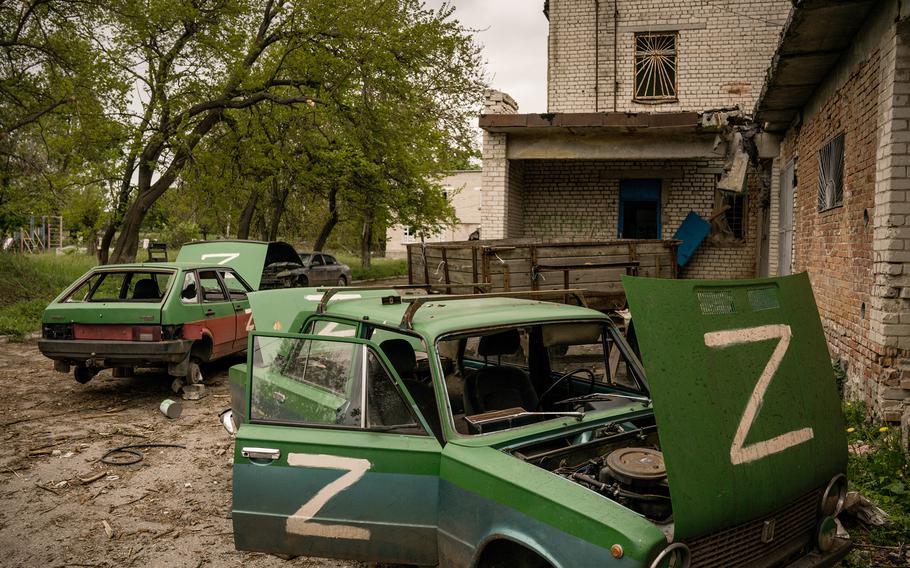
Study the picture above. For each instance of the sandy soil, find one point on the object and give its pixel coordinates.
(170, 509)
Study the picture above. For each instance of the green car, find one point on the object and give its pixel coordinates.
(500, 431)
(172, 315)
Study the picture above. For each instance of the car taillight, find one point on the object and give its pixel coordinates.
(147, 333)
(57, 331)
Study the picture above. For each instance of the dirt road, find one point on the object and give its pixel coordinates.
(170, 509)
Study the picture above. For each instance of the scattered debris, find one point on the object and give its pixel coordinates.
(170, 408)
(194, 392)
(54, 491)
(108, 529)
(106, 413)
(132, 451)
(864, 510)
(177, 385)
(92, 478)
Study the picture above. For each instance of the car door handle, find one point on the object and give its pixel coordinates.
(209, 312)
(260, 453)
(239, 308)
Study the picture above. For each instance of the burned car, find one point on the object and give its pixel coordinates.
(492, 430)
(173, 315)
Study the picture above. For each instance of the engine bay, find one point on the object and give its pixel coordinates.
(621, 461)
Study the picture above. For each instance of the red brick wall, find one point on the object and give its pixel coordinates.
(836, 246)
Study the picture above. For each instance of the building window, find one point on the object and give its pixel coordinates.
(410, 235)
(731, 225)
(655, 67)
(831, 174)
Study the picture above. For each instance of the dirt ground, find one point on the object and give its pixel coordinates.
(170, 509)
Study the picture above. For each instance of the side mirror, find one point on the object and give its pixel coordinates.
(227, 420)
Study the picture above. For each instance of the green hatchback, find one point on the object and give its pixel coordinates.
(173, 315)
(500, 431)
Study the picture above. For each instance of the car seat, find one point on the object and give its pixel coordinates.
(497, 387)
(146, 289)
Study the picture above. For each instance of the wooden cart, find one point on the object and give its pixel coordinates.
(515, 265)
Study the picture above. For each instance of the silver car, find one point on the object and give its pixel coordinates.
(320, 269)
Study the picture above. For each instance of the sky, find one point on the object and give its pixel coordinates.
(513, 34)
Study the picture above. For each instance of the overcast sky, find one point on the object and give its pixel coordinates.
(513, 34)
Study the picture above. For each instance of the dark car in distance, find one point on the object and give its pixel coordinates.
(320, 269)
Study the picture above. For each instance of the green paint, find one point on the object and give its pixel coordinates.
(701, 394)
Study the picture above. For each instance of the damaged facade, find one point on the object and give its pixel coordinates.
(646, 107)
(838, 97)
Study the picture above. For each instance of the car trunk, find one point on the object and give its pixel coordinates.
(119, 321)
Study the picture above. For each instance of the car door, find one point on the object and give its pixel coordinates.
(237, 290)
(218, 312)
(333, 461)
(332, 270)
(316, 273)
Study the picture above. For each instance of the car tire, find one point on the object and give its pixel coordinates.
(194, 373)
(342, 281)
(83, 374)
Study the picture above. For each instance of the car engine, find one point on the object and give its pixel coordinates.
(622, 462)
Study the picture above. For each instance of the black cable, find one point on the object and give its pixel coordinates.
(137, 455)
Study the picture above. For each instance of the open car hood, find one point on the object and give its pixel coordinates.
(744, 395)
(248, 258)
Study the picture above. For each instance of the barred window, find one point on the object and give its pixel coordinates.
(655, 67)
(831, 174)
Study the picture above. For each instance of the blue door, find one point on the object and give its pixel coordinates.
(639, 209)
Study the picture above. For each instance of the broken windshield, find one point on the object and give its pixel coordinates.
(510, 377)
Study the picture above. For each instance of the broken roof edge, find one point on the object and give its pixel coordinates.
(600, 120)
(806, 50)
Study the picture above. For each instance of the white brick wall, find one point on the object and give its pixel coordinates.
(724, 49)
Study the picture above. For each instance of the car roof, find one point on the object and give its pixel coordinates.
(163, 265)
(439, 315)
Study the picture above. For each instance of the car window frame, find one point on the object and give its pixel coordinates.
(67, 294)
(425, 430)
(313, 260)
(449, 418)
(247, 288)
(333, 262)
(201, 289)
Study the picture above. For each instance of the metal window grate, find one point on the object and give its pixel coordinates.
(831, 174)
(715, 302)
(655, 67)
(763, 299)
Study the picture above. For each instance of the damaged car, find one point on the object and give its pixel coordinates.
(173, 315)
(495, 430)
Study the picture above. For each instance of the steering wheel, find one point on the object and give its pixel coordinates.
(564, 377)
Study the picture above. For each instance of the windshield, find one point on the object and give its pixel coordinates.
(123, 286)
(511, 377)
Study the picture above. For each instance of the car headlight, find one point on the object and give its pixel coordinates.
(827, 533)
(674, 556)
(834, 496)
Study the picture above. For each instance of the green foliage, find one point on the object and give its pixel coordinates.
(179, 233)
(29, 282)
(880, 470)
(379, 267)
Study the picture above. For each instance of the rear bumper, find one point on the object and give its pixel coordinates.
(107, 353)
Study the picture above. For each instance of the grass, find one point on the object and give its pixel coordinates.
(29, 282)
(878, 469)
(379, 267)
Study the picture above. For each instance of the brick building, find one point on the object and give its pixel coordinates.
(838, 98)
(463, 190)
(646, 105)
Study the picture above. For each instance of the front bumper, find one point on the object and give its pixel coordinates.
(825, 559)
(107, 353)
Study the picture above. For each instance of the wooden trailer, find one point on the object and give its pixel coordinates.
(518, 265)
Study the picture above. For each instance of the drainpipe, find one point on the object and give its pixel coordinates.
(596, 55)
(615, 53)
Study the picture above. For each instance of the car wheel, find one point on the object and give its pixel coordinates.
(342, 281)
(303, 282)
(194, 373)
(83, 374)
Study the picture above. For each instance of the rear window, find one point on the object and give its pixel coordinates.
(123, 286)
